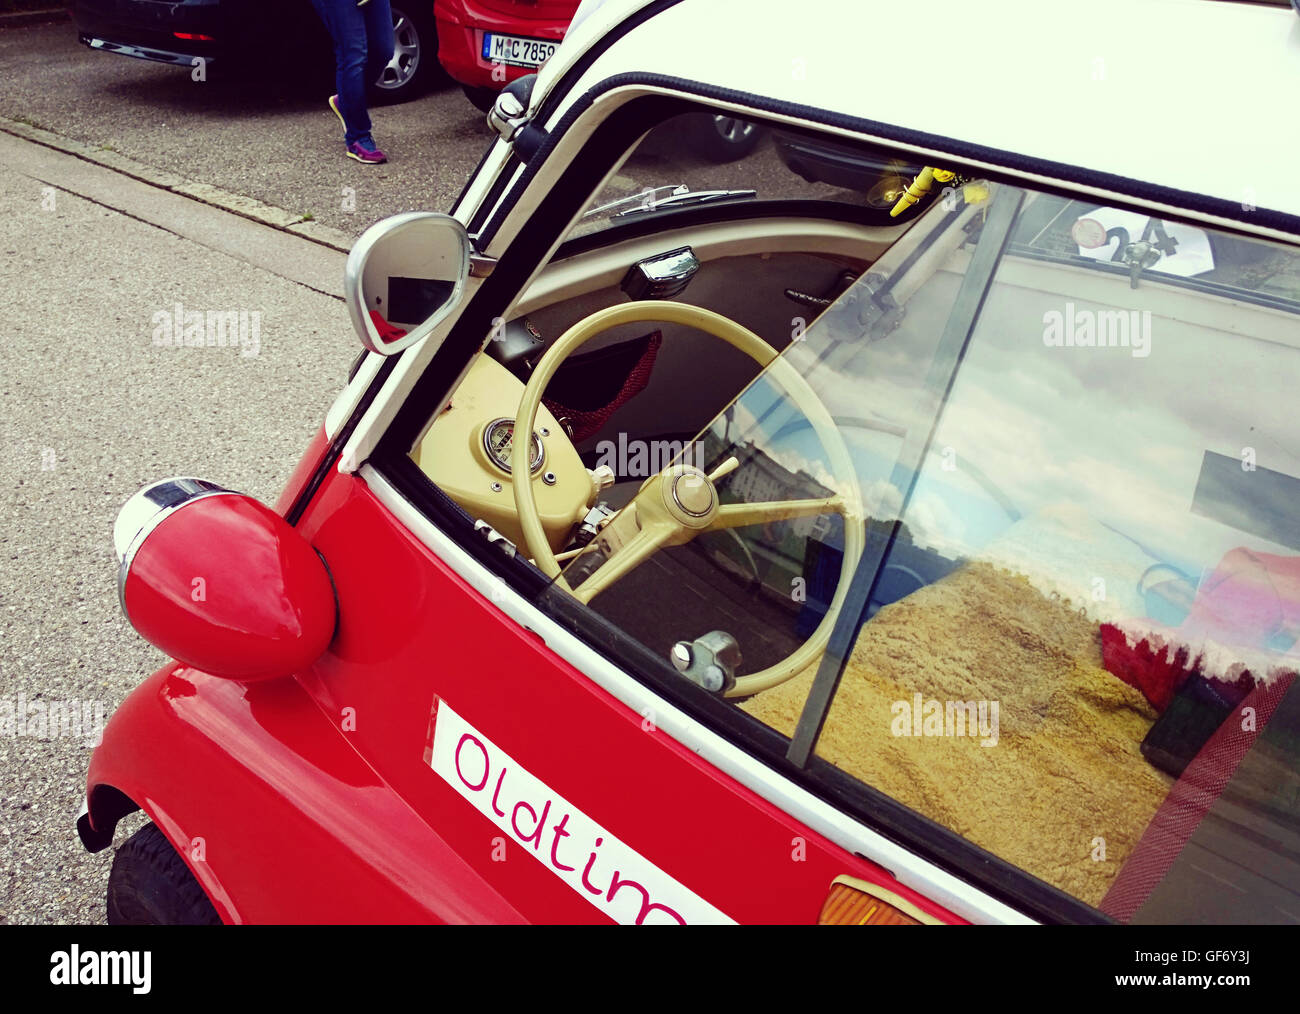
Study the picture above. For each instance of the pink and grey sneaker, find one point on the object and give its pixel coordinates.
(364, 151)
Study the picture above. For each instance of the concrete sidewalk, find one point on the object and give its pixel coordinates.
(307, 263)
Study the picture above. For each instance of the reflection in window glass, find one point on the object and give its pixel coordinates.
(1099, 568)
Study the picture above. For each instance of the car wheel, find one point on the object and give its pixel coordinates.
(723, 138)
(150, 885)
(414, 66)
(483, 98)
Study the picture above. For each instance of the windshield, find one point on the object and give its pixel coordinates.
(699, 158)
(1010, 533)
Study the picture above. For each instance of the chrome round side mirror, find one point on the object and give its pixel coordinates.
(403, 276)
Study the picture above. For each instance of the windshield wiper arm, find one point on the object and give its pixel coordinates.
(673, 197)
(682, 198)
(646, 198)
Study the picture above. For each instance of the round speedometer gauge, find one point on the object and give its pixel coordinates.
(498, 441)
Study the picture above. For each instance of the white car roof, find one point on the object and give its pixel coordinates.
(1193, 95)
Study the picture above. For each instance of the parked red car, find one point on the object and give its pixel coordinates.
(486, 44)
(923, 549)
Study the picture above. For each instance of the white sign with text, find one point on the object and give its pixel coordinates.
(611, 875)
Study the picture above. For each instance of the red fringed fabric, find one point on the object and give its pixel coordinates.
(585, 422)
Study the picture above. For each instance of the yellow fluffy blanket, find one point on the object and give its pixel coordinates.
(1064, 793)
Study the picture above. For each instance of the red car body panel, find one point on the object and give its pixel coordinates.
(311, 460)
(318, 803)
(461, 24)
(278, 818)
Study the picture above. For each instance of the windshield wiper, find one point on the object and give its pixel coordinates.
(666, 197)
(683, 198)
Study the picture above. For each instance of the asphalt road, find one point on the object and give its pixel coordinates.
(276, 140)
(268, 139)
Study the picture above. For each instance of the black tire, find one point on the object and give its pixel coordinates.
(722, 138)
(150, 885)
(415, 67)
(483, 98)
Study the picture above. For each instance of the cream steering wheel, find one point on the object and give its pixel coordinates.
(681, 501)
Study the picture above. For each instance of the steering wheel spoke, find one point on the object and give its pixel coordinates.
(738, 515)
(627, 556)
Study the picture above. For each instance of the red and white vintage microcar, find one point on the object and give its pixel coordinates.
(918, 548)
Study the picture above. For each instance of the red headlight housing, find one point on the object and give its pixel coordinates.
(221, 582)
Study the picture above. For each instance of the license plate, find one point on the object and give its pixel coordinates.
(515, 51)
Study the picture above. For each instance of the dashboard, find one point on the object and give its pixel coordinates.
(466, 452)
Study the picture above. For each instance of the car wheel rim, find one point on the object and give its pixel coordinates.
(406, 53)
(732, 130)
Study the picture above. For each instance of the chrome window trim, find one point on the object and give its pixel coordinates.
(139, 517)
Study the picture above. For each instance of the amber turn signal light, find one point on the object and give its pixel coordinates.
(854, 902)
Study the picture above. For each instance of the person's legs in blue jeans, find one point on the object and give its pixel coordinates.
(379, 37)
(362, 36)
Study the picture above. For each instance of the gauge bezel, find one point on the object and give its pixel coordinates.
(537, 459)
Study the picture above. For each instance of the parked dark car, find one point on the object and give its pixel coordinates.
(286, 36)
